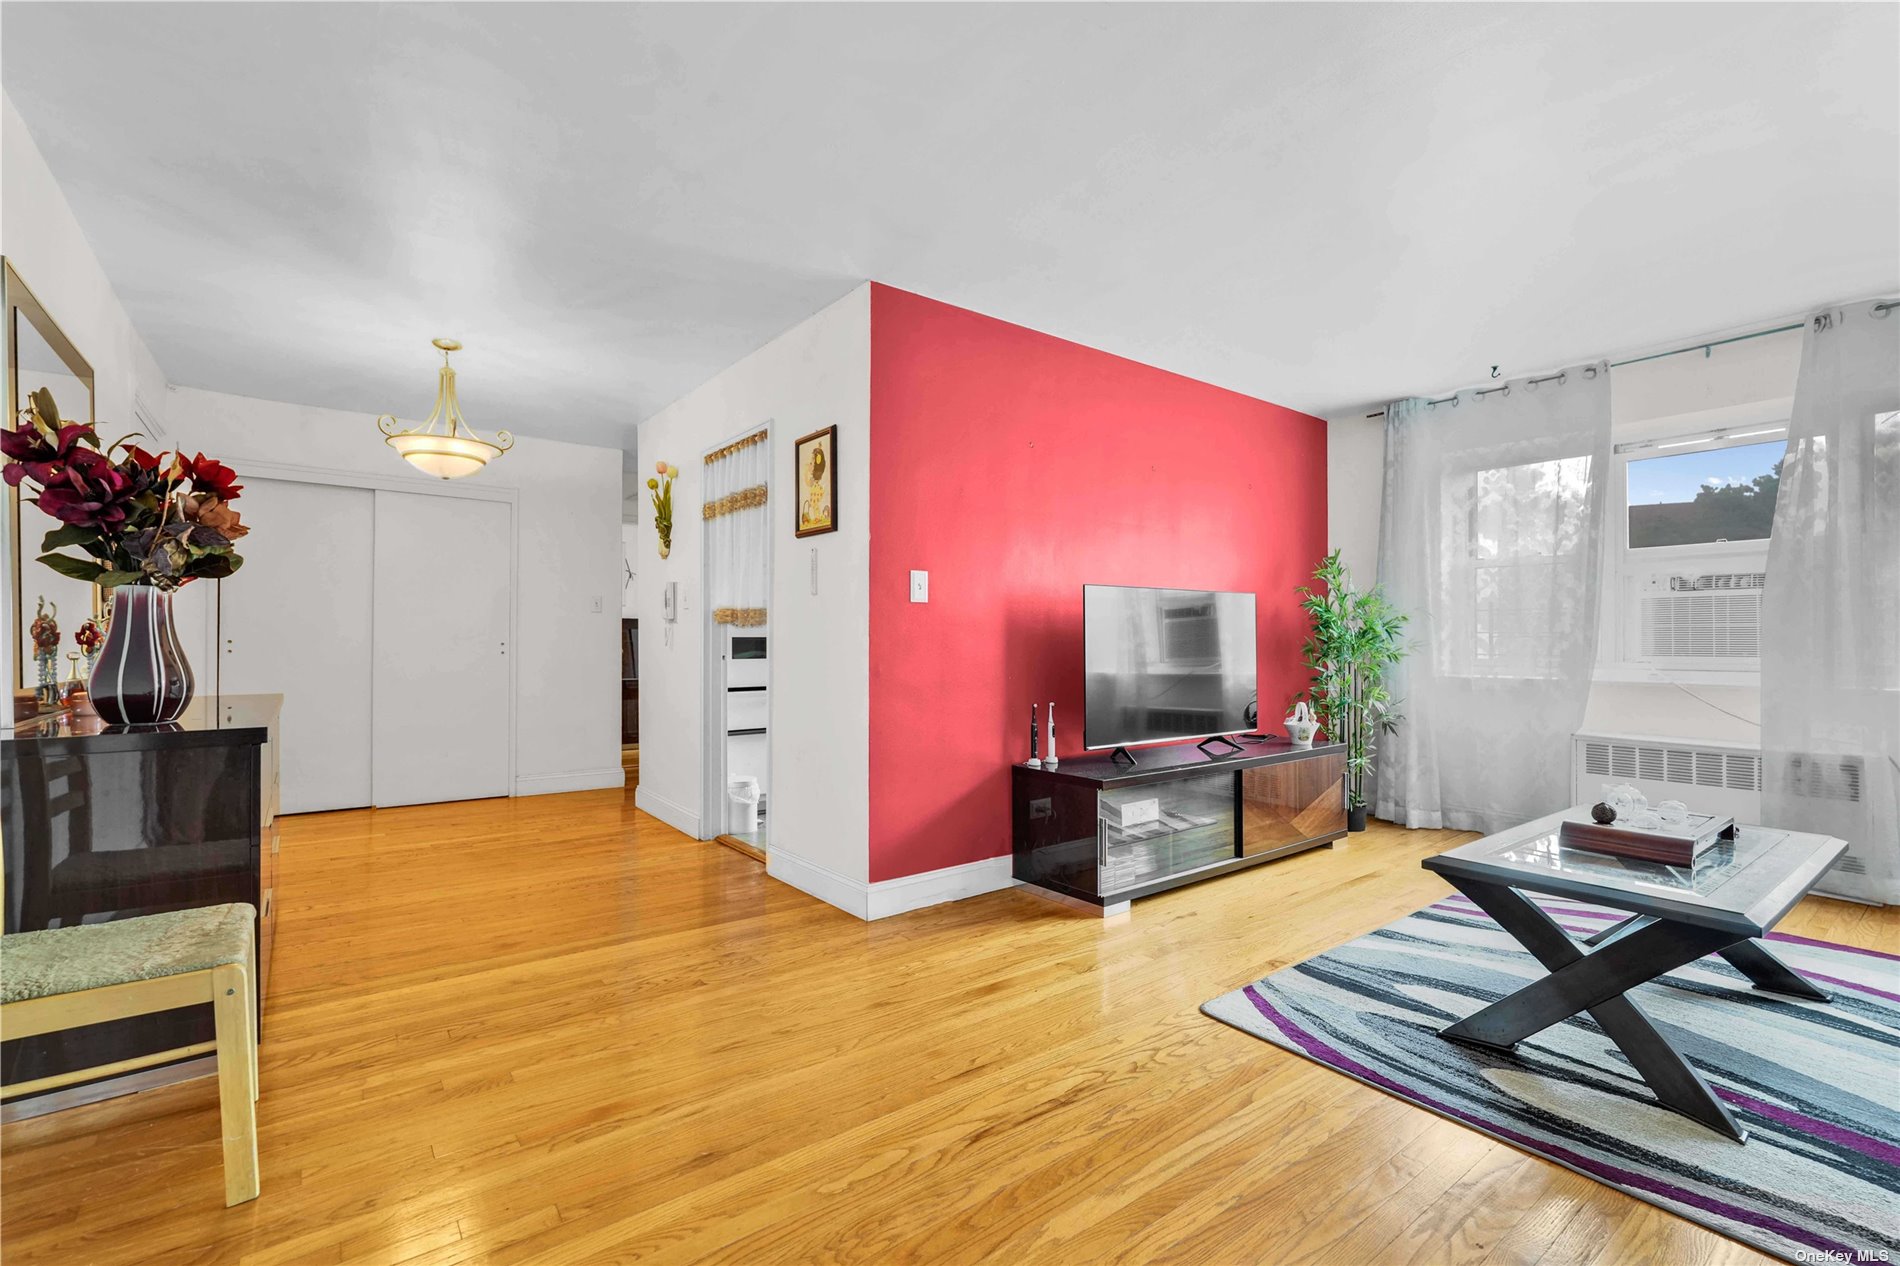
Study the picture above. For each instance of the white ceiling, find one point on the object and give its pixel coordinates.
(1323, 205)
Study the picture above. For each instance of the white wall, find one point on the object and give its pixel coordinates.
(630, 571)
(39, 235)
(1680, 710)
(1734, 374)
(567, 709)
(814, 375)
(1355, 483)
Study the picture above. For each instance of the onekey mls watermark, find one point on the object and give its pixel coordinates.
(1847, 1257)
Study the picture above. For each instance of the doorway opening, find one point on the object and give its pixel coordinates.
(738, 571)
(630, 702)
(748, 755)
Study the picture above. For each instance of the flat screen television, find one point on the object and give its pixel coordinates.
(1160, 665)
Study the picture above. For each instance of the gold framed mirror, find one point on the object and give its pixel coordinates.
(39, 355)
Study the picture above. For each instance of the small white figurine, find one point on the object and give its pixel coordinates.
(1302, 725)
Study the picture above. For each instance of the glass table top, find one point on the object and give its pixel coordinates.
(1731, 875)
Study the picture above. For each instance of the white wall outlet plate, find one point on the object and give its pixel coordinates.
(920, 586)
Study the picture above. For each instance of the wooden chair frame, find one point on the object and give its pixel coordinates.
(233, 998)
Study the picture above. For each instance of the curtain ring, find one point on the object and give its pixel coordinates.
(1882, 309)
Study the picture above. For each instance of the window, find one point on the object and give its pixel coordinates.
(1692, 553)
(1513, 530)
(1704, 497)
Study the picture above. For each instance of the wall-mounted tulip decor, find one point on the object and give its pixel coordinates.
(660, 486)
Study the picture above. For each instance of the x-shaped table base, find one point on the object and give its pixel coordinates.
(1626, 955)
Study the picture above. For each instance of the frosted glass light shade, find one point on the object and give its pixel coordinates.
(453, 450)
(444, 456)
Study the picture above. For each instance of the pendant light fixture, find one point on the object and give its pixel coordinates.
(453, 451)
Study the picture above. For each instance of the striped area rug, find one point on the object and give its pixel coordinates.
(1817, 1086)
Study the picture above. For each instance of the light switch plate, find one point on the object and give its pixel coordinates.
(920, 586)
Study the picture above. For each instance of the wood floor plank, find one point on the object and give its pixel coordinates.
(553, 1029)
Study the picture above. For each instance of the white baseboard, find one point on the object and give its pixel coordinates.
(680, 819)
(850, 895)
(890, 896)
(934, 887)
(573, 780)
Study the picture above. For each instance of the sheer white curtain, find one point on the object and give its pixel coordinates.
(737, 523)
(1490, 541)
(1830, 610)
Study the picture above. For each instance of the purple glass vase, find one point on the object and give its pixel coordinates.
(141, 677)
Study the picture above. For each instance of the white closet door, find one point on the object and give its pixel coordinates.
(442, 682)
(194, 613)
(296, 621)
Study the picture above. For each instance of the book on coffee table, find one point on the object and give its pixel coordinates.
(1673, 845)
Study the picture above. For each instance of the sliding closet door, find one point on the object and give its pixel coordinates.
(442, 682)
(295, 621)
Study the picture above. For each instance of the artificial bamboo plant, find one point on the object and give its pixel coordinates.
(1355, 639)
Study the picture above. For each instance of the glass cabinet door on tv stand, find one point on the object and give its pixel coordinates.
(1158, 830)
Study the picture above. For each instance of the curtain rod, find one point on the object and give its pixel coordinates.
(1880, 309)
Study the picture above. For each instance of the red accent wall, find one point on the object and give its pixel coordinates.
(1015, 468)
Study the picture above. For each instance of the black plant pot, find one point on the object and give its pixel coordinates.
(141, 677)
(1356, 817)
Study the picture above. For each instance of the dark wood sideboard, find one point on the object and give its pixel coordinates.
(1104, 832)
(103, 823)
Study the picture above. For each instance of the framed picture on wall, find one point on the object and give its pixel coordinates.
(815, 476)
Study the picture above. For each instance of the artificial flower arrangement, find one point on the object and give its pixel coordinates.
(660, 486)
(156, 519)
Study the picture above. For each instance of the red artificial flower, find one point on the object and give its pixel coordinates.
(77, 484)
(213, 476)
(89, 492)
(40, 458)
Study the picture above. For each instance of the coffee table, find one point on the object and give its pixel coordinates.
(1724, 904)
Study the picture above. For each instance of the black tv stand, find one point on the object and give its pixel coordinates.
(1219, 738)
(1121, 755)
(1100, 832)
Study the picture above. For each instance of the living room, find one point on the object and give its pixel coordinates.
(1242, 651)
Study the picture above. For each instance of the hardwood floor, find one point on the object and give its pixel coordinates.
(556, 1030)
